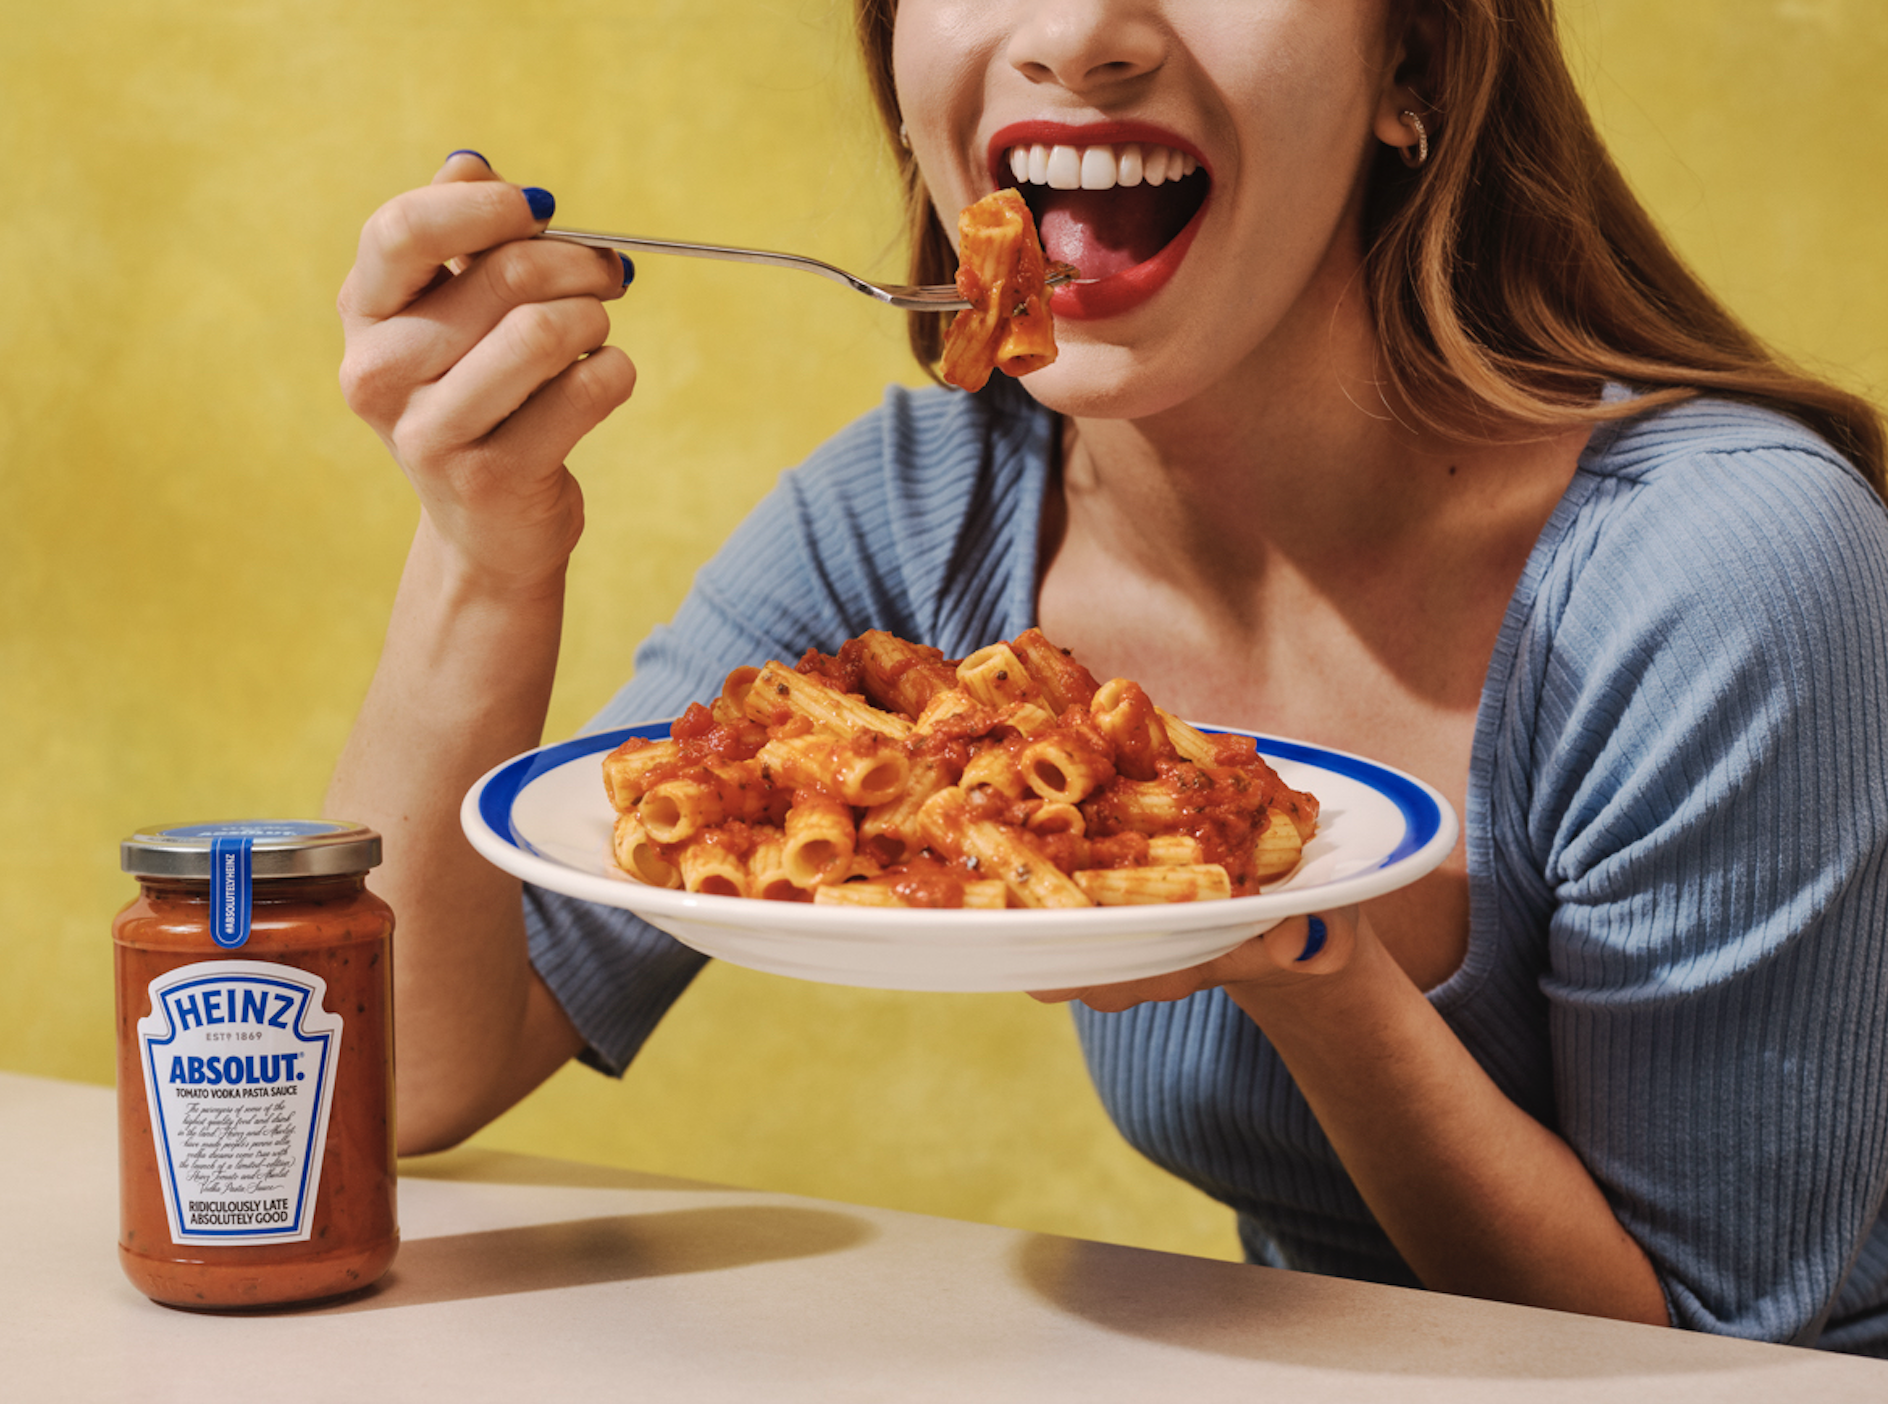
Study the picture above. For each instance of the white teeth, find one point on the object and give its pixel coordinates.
(1099, 167)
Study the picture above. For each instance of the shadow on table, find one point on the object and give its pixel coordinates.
(1240, 1311)
(478, 1164)
(614, 1248)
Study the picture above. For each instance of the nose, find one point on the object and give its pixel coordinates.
(1087, 45)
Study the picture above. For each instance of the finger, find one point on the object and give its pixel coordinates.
(618, 271)
(387, 362)
(532, 345)
(560, 412)
(1152, 989)
(531, 270)
(464, 164)
(454, 317)
(509, 500)
(1319, 944)
(1157, 989)
(406, 241)
(1305, 945)
(1054, 996)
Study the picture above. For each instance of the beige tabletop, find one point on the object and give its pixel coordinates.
(529, 1279)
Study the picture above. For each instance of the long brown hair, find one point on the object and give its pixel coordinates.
(1514, 274)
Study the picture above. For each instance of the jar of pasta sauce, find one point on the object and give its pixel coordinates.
(255, 1064)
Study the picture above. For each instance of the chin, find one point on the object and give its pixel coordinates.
(1095, 380)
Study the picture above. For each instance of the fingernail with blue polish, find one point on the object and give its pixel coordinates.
(629, 270)
(468, 151)
(543, 203)
(1314, 937)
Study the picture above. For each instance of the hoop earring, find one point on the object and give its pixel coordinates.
(1421, 158)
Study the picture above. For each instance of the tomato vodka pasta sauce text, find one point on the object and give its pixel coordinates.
(1001, 274)
(886, 775)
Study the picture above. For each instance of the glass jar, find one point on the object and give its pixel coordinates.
(255, 1064)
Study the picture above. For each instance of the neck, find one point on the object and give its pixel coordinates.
(1293, 451)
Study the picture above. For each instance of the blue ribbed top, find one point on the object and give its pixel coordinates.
(1677, 835)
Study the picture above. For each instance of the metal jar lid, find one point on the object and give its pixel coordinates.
(279, 848)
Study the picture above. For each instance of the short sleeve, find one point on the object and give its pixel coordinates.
(1708, 818)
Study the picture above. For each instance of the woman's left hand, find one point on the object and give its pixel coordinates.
(1297, 949)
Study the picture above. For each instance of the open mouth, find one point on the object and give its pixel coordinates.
(1107, 208)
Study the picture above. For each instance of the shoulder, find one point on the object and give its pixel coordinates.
(1702, 468)
(1713, 511)
(1706, 615)
(1640, 446)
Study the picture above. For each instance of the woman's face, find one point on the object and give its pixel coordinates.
(1198, 159)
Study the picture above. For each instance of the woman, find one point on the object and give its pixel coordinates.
(1383, 428)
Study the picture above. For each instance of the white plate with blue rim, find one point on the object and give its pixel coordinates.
(544, 817)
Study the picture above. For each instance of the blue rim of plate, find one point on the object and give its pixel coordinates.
(1422, 815)
(505, 784)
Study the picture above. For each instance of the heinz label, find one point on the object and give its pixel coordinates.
(239, 1059)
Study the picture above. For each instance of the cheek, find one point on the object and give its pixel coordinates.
(1287, 74)
(935, 60)
(1305, 134)
(941, 56)
(908, 54)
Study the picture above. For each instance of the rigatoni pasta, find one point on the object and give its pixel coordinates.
(886, 775)
(1003, 277)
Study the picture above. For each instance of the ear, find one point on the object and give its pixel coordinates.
(1411, 79)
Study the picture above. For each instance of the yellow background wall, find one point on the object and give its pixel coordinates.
(198, 544)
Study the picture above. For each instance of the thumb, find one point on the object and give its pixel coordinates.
(1319, 944)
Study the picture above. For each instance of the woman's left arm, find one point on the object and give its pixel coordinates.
(1478, 1197)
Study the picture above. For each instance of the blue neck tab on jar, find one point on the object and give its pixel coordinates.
(230, 890)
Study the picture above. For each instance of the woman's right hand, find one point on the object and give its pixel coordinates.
(476, 352)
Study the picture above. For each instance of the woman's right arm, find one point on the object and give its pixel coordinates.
(480, 382)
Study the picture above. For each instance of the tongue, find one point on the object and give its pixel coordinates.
(1104, 232)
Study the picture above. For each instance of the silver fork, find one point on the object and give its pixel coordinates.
(938, 298)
